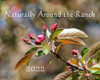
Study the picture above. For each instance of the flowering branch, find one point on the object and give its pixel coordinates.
(45, 44)
(59, 57)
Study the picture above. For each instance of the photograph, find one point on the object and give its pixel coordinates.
(49, 39)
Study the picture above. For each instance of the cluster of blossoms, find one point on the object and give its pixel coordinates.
(40, 38)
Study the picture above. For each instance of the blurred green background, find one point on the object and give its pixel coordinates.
(13, 29)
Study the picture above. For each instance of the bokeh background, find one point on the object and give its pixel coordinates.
(12, 30)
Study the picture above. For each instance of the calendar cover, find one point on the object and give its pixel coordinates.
(49, 39)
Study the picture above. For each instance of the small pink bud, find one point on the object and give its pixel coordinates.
(68, 70)
(41, 37)
(27, 41)
(94, 64)
(38, 41)
(32, 36)
(75, 52)
(68, 62)
(44, 28)
(54, 27)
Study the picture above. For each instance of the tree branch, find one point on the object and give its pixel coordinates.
(59, 57)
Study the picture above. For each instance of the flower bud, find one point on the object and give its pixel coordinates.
(27, 41)
(37, 41)
(68, 62)
(68, 70)
(94, 64)
(54, 27)
(44, 28)
(75, 52)
(32, 36)
(41, 37)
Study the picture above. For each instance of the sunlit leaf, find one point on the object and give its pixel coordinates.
(84, 51)
(23, 60)
(73, 40)
(45, 48)
(95, 67)
(83, 58)
(54, 34)
(74, 61)
(39, 53)
(72, 32)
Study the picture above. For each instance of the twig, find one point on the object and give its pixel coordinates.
(58, 56)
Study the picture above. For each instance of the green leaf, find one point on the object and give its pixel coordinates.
(83, 58)
(50, 61)
(95, 67)
(84, 51)
(27, 62)
(54, 34)
(39, 53)
(34, 48)
(94, 72)
(45, 48)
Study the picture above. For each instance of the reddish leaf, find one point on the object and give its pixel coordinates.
(73, 40)
(72, 32)
(57, 49)
(23, 60)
